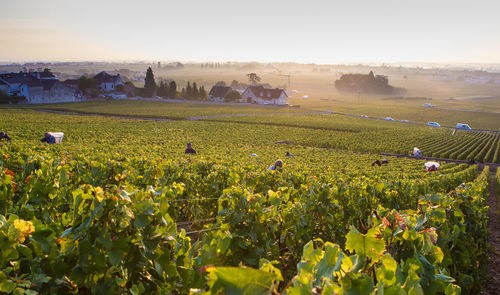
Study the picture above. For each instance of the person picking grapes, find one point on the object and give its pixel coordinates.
(277, 164)
(4, 135)
(189, 149)
(48, 138)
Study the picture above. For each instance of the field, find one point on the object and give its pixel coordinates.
(331, 131)
(119, 208)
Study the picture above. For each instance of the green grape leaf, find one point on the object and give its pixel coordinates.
(368, 245)
(239, 280)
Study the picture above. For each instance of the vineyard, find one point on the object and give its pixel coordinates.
(379, 136)
(118, 208)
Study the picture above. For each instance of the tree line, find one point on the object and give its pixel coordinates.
(370, 83)
(165, 88)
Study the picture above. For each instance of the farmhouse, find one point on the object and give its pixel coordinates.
(108, 82)
(38, 87)
(48, 91)
(261, 95)
(4, 87)
(218, 93)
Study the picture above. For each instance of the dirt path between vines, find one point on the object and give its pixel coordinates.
(101, 115)
(493, 285)
(309, 112)
(63, 112)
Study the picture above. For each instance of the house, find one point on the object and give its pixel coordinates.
(49, 91)
(14, 81)
(73, 83)
(4, 87)
(261, 95)
(39, 87)
(45, 75)
(218, 93)
(108, 82)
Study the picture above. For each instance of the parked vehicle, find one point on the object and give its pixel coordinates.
(364, 116)
(404, 121)
(389, 119)
(428, 105)
(463, 126)
(433, 124)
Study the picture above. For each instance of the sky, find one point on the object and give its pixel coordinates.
(313, 31)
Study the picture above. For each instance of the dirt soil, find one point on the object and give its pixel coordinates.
(493, 285)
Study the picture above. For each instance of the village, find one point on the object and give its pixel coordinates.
(44, 87)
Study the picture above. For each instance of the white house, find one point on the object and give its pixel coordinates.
(39, 87)
(261, 95)
(4, 87)
(218, 93)
(49, 91)
(108, 82)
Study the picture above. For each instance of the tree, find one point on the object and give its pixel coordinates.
(85, 83)
(163, 89)
(196, 93)
(189, 91)
(149, 83)
(172, 89)
(253, 78)
(203, 93)
(129, 88)
(233, 95)
(220, 83)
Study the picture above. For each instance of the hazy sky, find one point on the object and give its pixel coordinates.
(230, 30)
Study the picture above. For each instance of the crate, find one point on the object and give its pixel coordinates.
(58, 136)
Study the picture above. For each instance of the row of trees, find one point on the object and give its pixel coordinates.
(366, 84)
(168, 89)
(193, 92)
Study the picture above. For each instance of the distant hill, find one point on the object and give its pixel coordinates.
(370, 83)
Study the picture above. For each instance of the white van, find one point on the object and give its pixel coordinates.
(433, 124)
(463, 126)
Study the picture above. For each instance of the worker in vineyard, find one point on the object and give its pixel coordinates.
(417, 153)
(380, 163)
(288, 154)
(48, 138)
(432, 168)
(4, 135)
(278, 164)
(189, 149)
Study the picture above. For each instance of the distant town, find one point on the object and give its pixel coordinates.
(41, 83)
(43, 87)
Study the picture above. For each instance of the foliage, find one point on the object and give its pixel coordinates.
(253, 78)
(172, 89)
(149, 83)
(233, 95)
(86, 84)
(105, 212)
(366, 84)
(10, 99)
